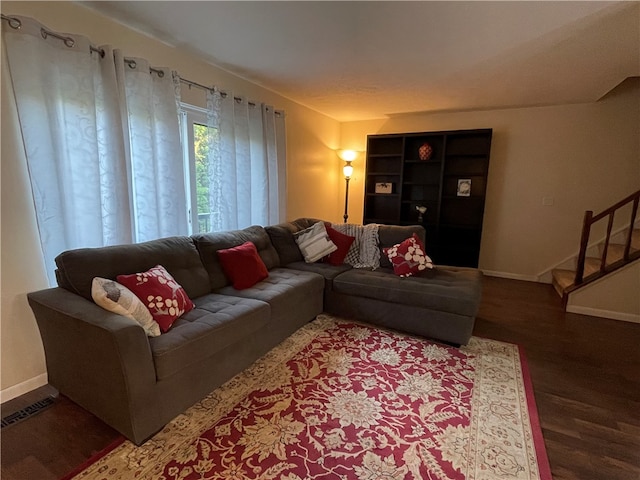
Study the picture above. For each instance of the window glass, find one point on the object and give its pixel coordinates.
(197, 166)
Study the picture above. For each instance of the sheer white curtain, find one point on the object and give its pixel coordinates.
(154, 149)
(90, 124)
(248, 164)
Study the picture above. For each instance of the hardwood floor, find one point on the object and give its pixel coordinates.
(585, 373)
(586, 378)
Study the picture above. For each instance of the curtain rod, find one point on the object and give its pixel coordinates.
(16, 24)
(197, 85)
(223, 94)
(133, 64)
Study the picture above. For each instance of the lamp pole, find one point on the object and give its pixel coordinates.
(346, 199)
(347, 170)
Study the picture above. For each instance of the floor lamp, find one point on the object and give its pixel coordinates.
(348, 156)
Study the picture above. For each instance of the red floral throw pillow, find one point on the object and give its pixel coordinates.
(408, 258)
(243, 266)
(160, 293)
(342, 241)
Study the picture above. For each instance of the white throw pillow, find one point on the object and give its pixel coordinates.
(314, 242)
(117, 298)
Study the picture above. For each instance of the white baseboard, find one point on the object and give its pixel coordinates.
(512, 276)
(596, 312)
(21, 388)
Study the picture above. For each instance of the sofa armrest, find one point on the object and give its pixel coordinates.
(99, 359)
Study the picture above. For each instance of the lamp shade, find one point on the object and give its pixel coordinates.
(348, 155)
(347, 170)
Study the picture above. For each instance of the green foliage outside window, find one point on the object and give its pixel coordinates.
(203, 182)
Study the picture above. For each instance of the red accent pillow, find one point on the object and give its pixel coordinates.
(160, 293)
(408, 257)
(342, 241)
(243, 266)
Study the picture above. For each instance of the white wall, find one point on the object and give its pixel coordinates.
(22, 269)
(585, 157)
(616, 296)
(312, 176)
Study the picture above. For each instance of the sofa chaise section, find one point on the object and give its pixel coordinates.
(441, 303)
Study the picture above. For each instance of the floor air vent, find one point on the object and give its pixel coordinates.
(27, 412)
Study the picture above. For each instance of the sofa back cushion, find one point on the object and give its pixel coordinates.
(208, 245)
(178, 255)
(391, 235)
(284, 242)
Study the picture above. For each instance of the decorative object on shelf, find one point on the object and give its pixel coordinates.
(425, 151)
(464, 187)
(348, 156)
(421, 209)
(384, 188)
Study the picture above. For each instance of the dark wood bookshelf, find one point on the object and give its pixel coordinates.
(454, 216)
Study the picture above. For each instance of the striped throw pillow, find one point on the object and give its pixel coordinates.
(314, 242)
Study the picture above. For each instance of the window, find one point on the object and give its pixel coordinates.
(197, 168)
(235, 164)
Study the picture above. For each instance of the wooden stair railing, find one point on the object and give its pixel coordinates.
(612, 255)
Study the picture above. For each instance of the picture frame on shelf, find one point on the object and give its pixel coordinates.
(384, 187)
(464, 187)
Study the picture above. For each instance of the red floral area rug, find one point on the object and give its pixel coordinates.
(344, 400)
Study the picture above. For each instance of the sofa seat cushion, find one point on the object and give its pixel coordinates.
(325, 269)
(329, 272)
(216, 322)
(446, 289)
(285, 290)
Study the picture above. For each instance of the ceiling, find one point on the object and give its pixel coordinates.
(363, 60)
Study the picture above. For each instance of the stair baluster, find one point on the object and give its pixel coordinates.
(634, 211)
(630, 248)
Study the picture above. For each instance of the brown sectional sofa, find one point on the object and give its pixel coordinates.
(106, 363)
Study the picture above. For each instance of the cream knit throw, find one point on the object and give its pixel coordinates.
(364, 251)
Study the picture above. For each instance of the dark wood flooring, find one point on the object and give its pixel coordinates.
(585, 373)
